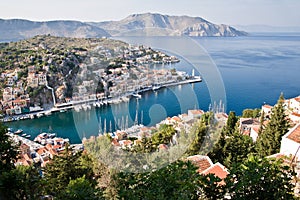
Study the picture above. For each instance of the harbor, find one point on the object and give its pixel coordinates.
(87, 104)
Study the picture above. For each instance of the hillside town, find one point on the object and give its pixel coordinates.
(48, 72)
(127, 139)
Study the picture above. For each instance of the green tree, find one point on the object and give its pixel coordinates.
(199, 130)
(269, 140)
(8, 155)
(218, 154)
(62, 169)
(251, 113)
(237, 148)
(178, 180)
(8, 151)
(80, 188)
(163, 135)
(23, 182)
(260, 179)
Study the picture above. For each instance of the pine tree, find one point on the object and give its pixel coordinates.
(269, 140)
(218, 152)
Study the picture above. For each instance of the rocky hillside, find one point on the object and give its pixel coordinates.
(16, 29)
(157, 24)
(134, 25)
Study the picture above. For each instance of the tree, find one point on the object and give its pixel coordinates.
(62, 169)
(269, 141)
(23, 182)
(8, 151)
(8, 155)
(251, 113)
(80, 188)
(237, 148)
(178, 180)
(218, 154)
(163, 135)
(199, 130)
(258, 178)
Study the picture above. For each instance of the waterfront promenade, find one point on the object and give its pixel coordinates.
(85, 104)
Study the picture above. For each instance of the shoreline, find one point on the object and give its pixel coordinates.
(86, 104)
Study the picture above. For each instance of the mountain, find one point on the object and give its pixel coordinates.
(16, 29)
(157, 24)
(147, 24)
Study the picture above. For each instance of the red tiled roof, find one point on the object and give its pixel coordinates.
(176, 118)
(297, 99)
(203, 162)
(217, 169)
(295, 134)
(196, 112)
(267, 106)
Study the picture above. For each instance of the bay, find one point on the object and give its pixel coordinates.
(243, 72)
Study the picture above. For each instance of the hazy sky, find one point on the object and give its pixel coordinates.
(243, 12)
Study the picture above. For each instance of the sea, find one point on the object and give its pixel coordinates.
(237, 73)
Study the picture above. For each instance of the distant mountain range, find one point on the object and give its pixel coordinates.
(133, 25)
(157, 24)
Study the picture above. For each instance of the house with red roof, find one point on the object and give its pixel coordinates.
(206, 167)
(290, 143)
(202, 162)
(218, 170)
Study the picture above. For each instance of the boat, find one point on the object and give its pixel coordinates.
(136, 95)
(19, 131)
(28, 136)
(24, 134)
(155, 87)
(39, 115)
(48, 113)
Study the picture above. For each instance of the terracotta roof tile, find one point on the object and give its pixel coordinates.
(217, 169)
(203, 162)
(295, 134)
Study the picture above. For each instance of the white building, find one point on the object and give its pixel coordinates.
(290, 143)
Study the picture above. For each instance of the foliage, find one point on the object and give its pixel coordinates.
(218, 153)
(163, 135)
(237, 148)
(8, 151)
(23, 182)
(178, 180)
(80, 188)
(269, 140)
(260, 179)
(199, 130)
(64, 168)
(251, 113)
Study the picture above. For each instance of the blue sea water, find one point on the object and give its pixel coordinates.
(243, 72)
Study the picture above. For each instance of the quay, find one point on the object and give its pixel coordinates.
(78, 105)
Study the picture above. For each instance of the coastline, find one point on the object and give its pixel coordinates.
(86, 104)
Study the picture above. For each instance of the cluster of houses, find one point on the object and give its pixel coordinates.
(290, 143)
(31, 152)
(132, 74)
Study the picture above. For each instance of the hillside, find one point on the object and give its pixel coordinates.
(134, 25)
(157, 24)
(16, 29)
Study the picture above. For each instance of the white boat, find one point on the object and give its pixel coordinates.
(155, 87)
(24, 134)
(28, 136)
(135, 94)
(39, 115)
(19, 131)
(48, 113)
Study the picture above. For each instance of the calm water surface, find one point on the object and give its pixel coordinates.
(253, 70)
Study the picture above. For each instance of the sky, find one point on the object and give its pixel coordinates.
(232, 12)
